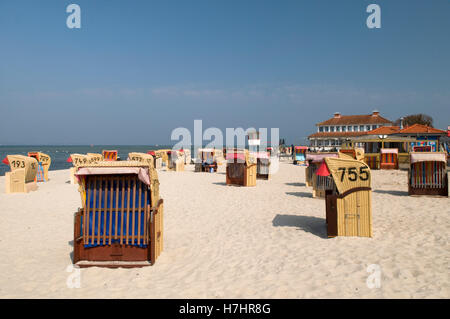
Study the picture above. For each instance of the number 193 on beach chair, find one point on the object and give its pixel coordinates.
(121, 221)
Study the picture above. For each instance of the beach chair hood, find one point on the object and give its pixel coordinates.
(428, 157)
(349, 174)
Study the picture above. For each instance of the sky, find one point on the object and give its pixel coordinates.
(136, 70)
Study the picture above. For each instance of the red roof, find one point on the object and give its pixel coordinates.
(337, 134)
(356, 119)
(384, 130)
(420, 128)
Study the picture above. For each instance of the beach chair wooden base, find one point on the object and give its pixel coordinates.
(246, 177)
(263, 176)
(388, 166)
(120, 255)
(15, 183)
(342, 221)
(438, 192)
(176, 167)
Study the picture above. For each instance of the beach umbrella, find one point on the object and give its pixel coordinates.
(323, 170)
(69, 159)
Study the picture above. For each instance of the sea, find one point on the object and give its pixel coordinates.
(60, 153)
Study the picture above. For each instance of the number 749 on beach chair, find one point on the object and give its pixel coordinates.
(121, 221)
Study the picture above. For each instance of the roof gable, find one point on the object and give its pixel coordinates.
(420, 128)
(356, 119)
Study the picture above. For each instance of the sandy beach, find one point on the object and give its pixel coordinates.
(221, 241)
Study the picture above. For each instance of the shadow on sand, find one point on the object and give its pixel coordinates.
(300, 194)
(296, 184)
(220, 183)
(309, 224)
(395, 193)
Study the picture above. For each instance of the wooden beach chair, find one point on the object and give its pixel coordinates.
(300, 155)
(206, 161)
(109, 155)
(313, 161)
(241, 168)
(262, 165)
(44, 162)
(157, 159)
(389, 158)
(164, 156)
(427, 174)
(121, 221)
(187, 156)
(22, 177)
(348, 204)
(175, 161)
(372, 160)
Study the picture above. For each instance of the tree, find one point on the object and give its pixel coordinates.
(415, 119)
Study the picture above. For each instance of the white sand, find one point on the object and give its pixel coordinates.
(268, 241)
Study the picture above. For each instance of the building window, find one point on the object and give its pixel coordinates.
(367, 127)
(349, 128)
(344, 128)
(338, 128)
(331, 128)
(361, 128)
(326, 128)
(374, 127)
(355, 128)
(320, 128)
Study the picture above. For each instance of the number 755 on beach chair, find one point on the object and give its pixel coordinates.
(121, 222)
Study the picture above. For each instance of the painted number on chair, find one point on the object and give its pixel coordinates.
(353, 173)
(18, 164)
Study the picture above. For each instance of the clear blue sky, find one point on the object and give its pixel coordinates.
(138, 69)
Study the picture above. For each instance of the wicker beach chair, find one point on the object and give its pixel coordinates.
(109, 155)
(389, 158)
(241, 168)
(120, 223)
(157, 159)
(176, 161)
(206, 161)
(44, 162)
(22, 178)
(427, 174)
(348, 204)
(263, 162)
(300, 155)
